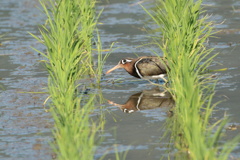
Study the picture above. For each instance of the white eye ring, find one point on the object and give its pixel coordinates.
(125, 110)
(124, 61)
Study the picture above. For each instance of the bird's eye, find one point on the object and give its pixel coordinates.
(124, 61)
(125, 110)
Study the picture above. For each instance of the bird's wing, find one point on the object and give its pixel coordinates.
(150, 66)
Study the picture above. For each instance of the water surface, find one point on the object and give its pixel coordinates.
(26, 127)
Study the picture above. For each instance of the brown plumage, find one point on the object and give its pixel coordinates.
(150, 67)
(147, 99)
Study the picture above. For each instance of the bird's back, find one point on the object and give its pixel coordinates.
(150, 66)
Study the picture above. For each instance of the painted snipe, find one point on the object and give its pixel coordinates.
(147, 99)
(147, 67)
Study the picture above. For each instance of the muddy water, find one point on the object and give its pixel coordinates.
(26, 128)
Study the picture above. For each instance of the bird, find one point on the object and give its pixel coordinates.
(145, 67)
(145, 100)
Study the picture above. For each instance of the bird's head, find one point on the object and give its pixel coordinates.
(126, 63)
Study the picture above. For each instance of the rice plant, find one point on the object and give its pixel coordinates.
(68, 37)
(183, 33)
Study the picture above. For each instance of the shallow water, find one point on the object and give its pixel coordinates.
(26, 127)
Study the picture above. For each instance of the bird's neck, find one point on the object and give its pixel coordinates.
(132, 70)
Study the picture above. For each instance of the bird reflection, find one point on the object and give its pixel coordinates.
(147, 99)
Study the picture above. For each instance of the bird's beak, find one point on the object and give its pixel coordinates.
(115, 104)
(120, 106)
(116, 67)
